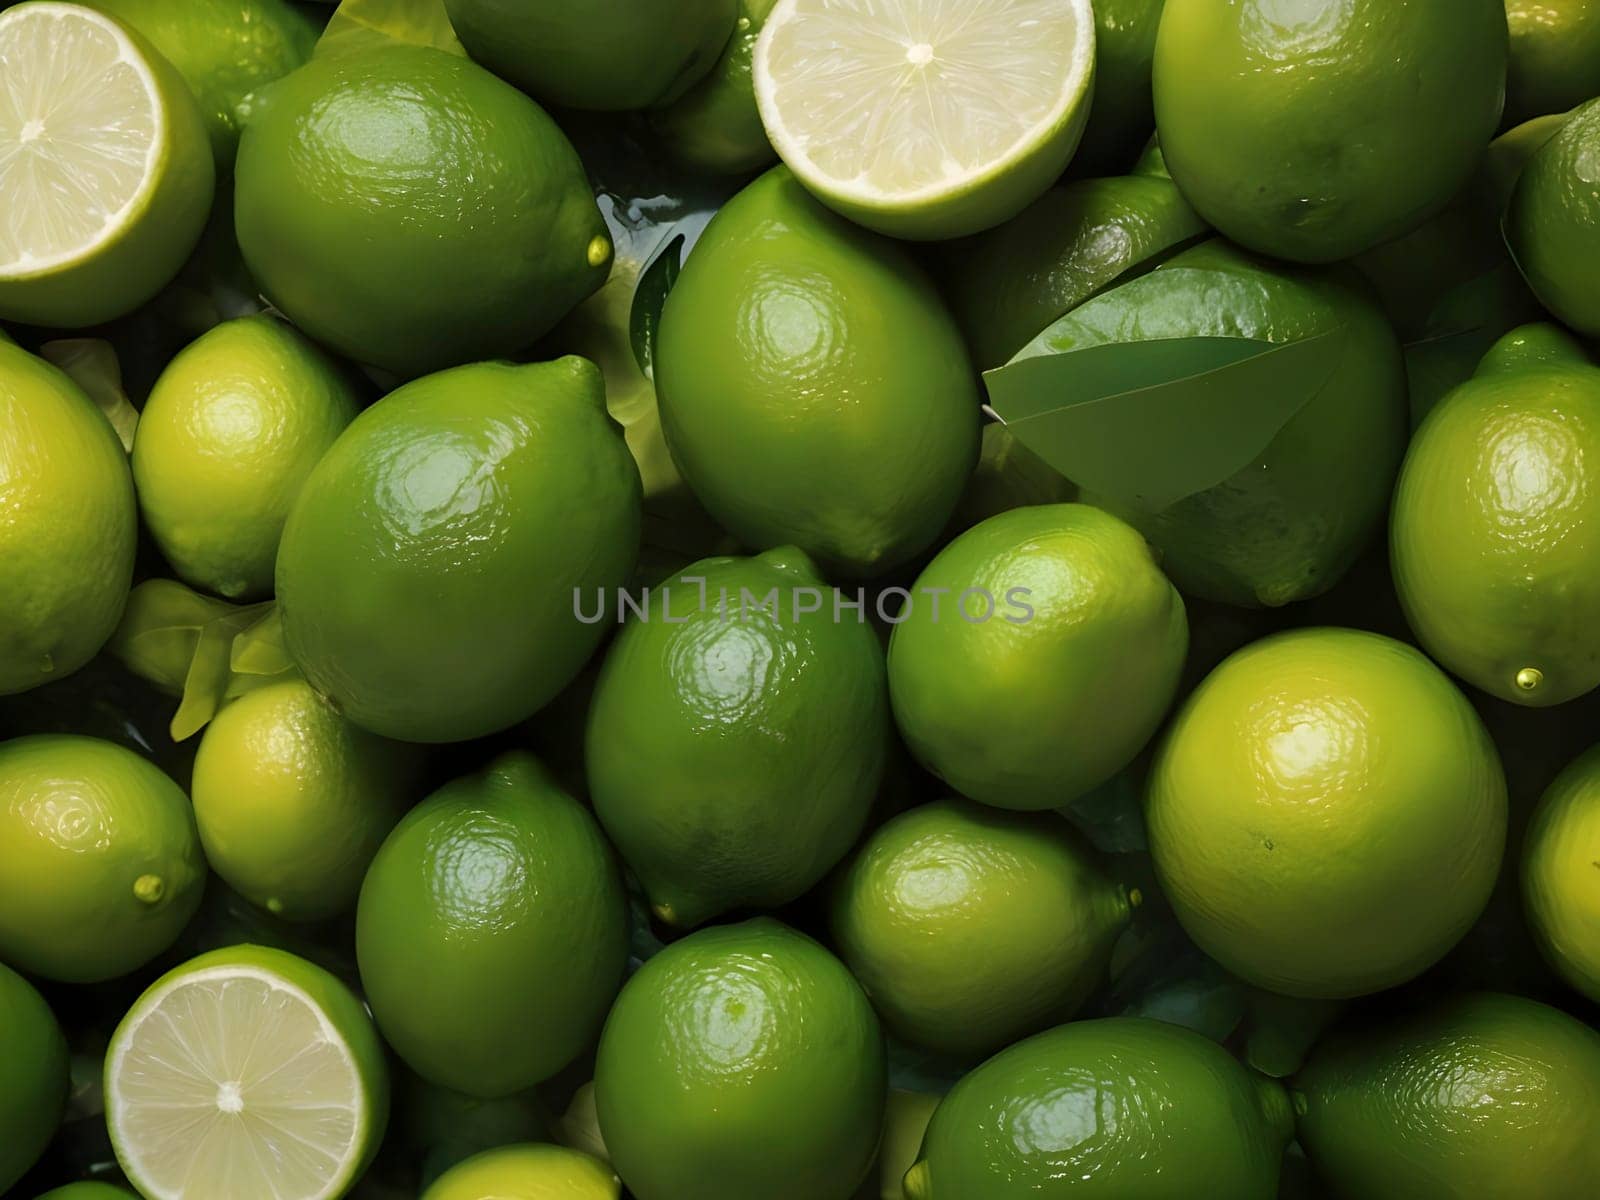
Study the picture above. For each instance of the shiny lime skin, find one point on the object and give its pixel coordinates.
(608, 55)
(1066, 679)
(526, 1172)
(1560, 882)
(1553, 222)
(1312, 132)
(494, 908)
(742, 1061)
(1110, 1109)
(1493, 535)
(734, 747)
(813, 389)
(33, 1075)
(100, 864)
(412, 211)
(1123, 113)
(716, 126)
(1555, 56)
(1327, 814)
(970, 928)
(1476, 1095)
(427, 572)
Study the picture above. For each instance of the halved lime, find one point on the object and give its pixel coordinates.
(926, 119)
(247, 1073)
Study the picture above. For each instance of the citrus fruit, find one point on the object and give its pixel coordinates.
(121, 135)
(1553, 222)
(813, 389)
(33, 1075)
(716, 125)
(227, 437)
(493, 908)
(1327, 814)
(100, 867)
(412, 211)
(1036, 656)
(1475, 1095)
(605, 54)
(247, 1073)
(970, 928)
(927, 119)
(427, 572)
(1495, 553)
(1123, 114)
(1555, 56)
(224, 49)
(737, 736)
(293, 801)
(68, 524)
(741, 1061)
(442, 1127)
(1114, 1108)
(527, 1172)
(1560, 882)
(1314, 131)
(88, 1191)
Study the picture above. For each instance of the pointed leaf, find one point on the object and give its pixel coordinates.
(92, 365)
(210, 676)
(644, 322)
(260, 649)
(358, 25)
(160, 629)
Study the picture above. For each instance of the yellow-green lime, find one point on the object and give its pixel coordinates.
(1327, 814)
(970, 928)
(527, 1172)
(70, 524)
(1555, 56)
(1123, 114)
(33, 1075)
(494, 908)
(1036, 655)
(742, 1061)
(249, 1073)
(227, 437)
(88, 1191)
(427, 573)
(813, 389)
(1493, 537)
(100, 866)
(1560, 881)
(737, 736)
(1473, 1095)
(412, 211)
(926, 119)
(1314, 131)
(1553, 222)
(1106, 1110)
(121, 134)
(716, 125)
(293, 801)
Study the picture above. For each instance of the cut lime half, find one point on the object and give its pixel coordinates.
(926, 119)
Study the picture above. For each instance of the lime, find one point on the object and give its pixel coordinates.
(926, 119)
(412, 211)
(69, 528)
(1553, 222)
(100, 867)
(813, 389)
(88, 1191)
(1327, 814)
(293, 801)
(527, 1172)
(1493, 535)
(1555, 56)
(716, 125)
(229, 434)
(741, 1061)
(493, 908)
(247, 1073)
(1314, 131)
(1036, 656)
(1123, 114)
(1560, 882)
(428, 572)
(33, 1075)
(1115, 1108)
(737, 736)
(224, 49)
(120, 134)
(970, 928)
(603, 54)
(1475, 1095)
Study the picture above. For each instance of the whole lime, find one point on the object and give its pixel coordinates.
(1560, 882)
(1553, 222)
(1327, 814)
(412, 211)
(527, 1172)
(742, 1061)
(494, 907)
(1555, 56)
(1123, 114)
(427, 572)
(813, 389)
(33, 1075)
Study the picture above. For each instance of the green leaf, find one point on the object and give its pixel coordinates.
(358, 25)
(92, 365)
(260, 649)
(160, 629)
(644, 321)
(1152, 422)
